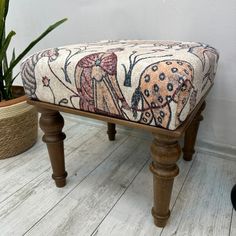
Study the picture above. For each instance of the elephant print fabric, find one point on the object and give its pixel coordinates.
(160, 84)
(96, 81)
(155, 83)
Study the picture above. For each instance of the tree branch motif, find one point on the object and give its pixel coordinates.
(49, 66)
(128, 73)
(67, 61)
(134, 58)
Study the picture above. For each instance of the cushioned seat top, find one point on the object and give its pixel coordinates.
(156, 83)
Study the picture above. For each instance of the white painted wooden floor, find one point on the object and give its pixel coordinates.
(109, 190)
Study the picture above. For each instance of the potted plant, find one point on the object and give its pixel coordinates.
(18, 120)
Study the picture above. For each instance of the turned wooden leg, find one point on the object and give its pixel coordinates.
(165, 152)
(111, 131)
(51, 122)
(191, 135)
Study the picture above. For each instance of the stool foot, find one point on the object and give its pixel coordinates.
(111, 131)
(191, 135)
(165, 152)
(60, 180)
(51, 122)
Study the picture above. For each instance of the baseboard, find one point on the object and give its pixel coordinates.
(212, 148)
(217, 149)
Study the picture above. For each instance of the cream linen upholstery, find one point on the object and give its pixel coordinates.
(156, 83)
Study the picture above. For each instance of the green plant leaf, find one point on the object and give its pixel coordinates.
(9, 86)
(13, 79)
(13, 57)
(2, 30)
(5, 45)
(5, 63)
(31, 45)
(2, 18)
(9, 78)
(6, 8)
(4, 5)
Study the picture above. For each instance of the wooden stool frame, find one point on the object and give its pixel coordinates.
(165, 149)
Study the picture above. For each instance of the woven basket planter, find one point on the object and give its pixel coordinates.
(18, 126)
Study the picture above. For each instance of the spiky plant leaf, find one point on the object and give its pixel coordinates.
(5, 45)
(31, 45)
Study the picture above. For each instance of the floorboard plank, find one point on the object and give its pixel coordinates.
(233, 224)
(28, 205)
(109, 189)
(36, 161)
(132, 214)
(5, 162)
(203, 206)
(84, 208)
(120, 128)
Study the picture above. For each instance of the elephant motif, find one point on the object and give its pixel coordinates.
(96, 82)
(161, 84)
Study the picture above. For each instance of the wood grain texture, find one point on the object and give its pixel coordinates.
(8, 161)
(143, 134)
(233, 224)
(39, 196)
(131, 215)
(28, 166)
(52, 123)
(191, 134)
(154, 129)
(89, 203)
(111, 131)
(165, 152)
(203, 206)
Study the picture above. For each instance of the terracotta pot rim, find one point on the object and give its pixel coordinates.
(16, 100)
(13, 101)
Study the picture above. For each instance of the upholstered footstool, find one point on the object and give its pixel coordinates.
(158, 86)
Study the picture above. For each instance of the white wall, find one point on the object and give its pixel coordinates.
(211, 21)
